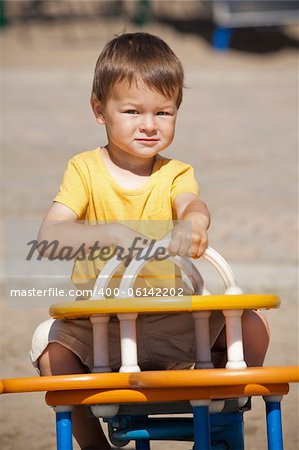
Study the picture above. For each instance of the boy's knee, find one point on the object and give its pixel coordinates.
(43, 361)
(255, 323)
(59, 360)
(256, 331)
(50, 359)
(256, 337)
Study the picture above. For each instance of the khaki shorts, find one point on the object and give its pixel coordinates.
(164, 341)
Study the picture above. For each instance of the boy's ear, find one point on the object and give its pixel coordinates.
(97, 108)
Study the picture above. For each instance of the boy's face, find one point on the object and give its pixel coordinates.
(140, 122)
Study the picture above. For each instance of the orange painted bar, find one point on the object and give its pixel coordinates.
(215, 377)
(67, 382)
(156, 379)
(117, 396)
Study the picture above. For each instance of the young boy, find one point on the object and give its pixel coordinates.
(137, 91)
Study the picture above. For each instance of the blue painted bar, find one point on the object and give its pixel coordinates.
(156, 429)
(274, 425)
(224, 427)
(201, 423)
(64, 430)
(226, 430)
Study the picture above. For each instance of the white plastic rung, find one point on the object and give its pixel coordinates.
(202, 340)
(100, 343)
(128, 343)
(234, 341)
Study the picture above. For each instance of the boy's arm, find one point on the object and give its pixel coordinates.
(61, 224)
(189, 236)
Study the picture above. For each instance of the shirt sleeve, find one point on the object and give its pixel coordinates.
(73, 191)
(183, 182)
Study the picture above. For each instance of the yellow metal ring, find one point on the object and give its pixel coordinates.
(151, 305)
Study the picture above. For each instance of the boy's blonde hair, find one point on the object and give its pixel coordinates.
(134, 56)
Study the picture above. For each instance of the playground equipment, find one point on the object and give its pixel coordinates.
(128, 400)
(231, 14)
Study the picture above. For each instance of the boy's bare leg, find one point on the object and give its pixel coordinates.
(58, 360)
(255, 339)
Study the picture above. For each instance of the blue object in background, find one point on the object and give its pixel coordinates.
(221, 38)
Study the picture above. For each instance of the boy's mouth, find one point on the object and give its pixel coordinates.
(147, 140)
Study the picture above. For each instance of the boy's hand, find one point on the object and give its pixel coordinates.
(126, 238)
(190, 237)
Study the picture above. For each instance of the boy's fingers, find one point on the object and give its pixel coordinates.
(185, 245)
(183, 250)
(201, 249)
(174, 246)
(191, 252)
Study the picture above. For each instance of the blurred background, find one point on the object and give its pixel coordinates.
(238, 126)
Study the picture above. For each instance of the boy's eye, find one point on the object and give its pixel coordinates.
(132, 111)
(163, 113)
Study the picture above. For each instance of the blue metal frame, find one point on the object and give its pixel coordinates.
(136, 428)
(201, 424)
(64, 430)
(209, 431)
(274, 425)
(226, 430)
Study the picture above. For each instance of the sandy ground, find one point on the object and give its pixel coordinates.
(237, 126)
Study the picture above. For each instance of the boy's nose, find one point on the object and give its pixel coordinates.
(148, 123)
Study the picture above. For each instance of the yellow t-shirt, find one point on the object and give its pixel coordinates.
(94, 195)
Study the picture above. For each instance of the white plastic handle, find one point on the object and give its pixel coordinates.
(210, 255)
(111, 267)
(104, 278)
(187, 265)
